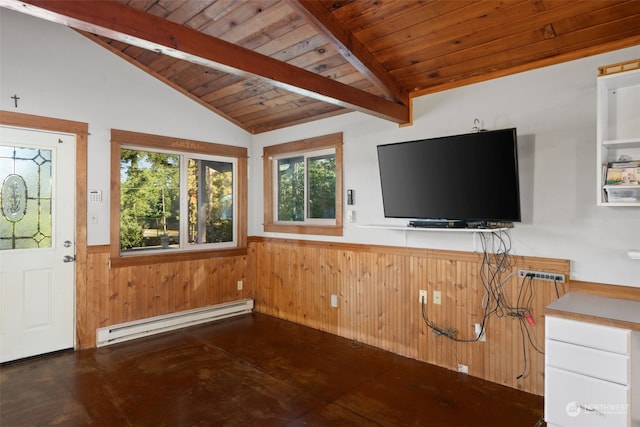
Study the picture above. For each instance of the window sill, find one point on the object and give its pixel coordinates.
(173, 256)
(321, 230)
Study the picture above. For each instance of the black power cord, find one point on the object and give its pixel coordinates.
(447, 332)
(496, 263)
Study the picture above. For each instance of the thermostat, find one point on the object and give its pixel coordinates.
(95, 196)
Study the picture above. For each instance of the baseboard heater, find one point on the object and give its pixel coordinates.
(168, 322)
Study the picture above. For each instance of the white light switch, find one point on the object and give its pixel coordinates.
(351, 216)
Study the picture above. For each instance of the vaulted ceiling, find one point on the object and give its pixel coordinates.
(269, 64)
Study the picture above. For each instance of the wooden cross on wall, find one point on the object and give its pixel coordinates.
(15, 100)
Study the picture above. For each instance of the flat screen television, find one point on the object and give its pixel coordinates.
(461, 179)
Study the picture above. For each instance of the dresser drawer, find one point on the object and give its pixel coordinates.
(600, 364)
(577, 400)
(588, 334)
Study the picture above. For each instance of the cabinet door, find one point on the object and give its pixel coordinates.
(578, 400)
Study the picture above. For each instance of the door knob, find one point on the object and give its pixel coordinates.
(69, 258)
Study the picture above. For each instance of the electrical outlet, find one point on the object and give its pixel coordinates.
(334, 300)
(463, 369)
(240, 285)
(480, 333)
(423, 296)
(542, 275)
(437, 297)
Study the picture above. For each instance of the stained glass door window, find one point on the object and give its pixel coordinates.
(25, 197)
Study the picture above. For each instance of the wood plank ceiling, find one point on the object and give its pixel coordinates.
(269, 64)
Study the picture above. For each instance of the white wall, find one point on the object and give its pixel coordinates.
(554, 111)
(59, 73)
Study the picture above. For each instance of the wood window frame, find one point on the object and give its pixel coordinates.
(121, 138)
(309, 144)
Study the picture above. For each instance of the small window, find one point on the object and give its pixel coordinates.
(303, 186)
(176, 195)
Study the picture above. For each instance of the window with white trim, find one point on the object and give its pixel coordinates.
(175, 201)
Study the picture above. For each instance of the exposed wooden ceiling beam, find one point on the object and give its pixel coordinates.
(119, 22)
(349, 47)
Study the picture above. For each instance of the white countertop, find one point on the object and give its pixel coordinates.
(597, 309)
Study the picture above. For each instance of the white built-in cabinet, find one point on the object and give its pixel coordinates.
(592, 371)
(618, 128)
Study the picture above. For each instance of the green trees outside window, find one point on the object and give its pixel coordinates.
(210, 188)
(322, 187)
(310, 177)
(291, 189)
(158, 212)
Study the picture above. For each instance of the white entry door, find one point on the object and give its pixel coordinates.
(37, 248)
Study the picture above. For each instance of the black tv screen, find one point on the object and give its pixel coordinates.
(469, 177)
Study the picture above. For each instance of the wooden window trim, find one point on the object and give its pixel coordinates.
(179, 145)
(310, 144)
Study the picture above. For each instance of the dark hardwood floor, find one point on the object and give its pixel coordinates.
(253, 370)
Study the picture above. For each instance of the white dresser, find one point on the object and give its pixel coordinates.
(592, 362)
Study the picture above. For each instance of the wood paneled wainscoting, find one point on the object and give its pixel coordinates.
(125, 293)
(378, 302)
